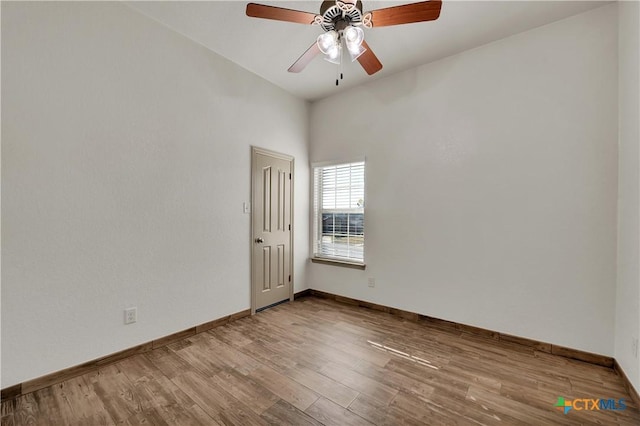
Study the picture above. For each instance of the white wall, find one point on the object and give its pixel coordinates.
(628, 290)
(491, 181)
(125, 163)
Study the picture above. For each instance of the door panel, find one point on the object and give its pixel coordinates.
(265, 206)
(266, 269)
(272, 183)
(281, 265)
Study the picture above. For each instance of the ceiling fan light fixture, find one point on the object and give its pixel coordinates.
(343, 21)
(353, 35)
(353, 38)
(328, 42)
(333, 54)
(355, 51)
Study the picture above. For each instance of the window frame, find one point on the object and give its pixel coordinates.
(316, 227)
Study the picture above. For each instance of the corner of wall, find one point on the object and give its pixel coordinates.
(627, 324)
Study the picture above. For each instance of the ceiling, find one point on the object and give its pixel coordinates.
(267, 48)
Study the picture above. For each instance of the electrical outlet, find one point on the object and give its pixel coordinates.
(372, 282)
(130, 315)
(634, 347)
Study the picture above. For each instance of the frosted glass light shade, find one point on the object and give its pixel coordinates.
(355, 50)
(327, 41)
(333, 54)
(353, 35)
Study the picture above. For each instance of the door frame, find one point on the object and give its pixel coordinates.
(262, 151)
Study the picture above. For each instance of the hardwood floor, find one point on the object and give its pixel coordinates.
(316, 361)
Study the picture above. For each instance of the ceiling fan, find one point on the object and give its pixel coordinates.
(342, 21)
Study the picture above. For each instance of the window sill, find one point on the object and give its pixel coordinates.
(335, 262)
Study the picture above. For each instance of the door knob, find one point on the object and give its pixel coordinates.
(259, 240)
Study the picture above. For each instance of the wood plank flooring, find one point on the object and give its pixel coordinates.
(319, 362)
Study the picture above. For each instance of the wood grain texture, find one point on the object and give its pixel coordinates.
(305, 58)
(320, 362)
(175, 337)
(239, 315)
(60, 376)
(11, 391)
(369, 60)
(279, 14)
(541, 346)
(406, 13)
(211, 324)
(283, 413)
(90, 366)
(592, 358)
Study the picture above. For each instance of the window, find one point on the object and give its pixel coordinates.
(338, 212)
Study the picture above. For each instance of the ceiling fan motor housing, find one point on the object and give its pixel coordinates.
(335, 17)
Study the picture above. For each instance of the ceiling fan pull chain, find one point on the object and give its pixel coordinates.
(339, 69)
(341, 53)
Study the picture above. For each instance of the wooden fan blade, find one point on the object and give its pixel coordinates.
(279, 14)
(306, 57)
(369, 60)
(406, 14)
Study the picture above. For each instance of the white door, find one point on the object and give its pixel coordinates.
(271, 189)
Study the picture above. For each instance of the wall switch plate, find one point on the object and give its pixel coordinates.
(634, 347)
(130, 315)
(246, 208)
(372, 282)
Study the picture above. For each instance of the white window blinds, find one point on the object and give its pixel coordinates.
(339, 212)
